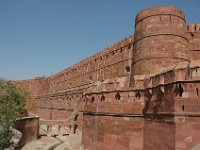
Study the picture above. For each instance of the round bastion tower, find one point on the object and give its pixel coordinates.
(160, 39)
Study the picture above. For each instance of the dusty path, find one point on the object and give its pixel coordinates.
(70, 142)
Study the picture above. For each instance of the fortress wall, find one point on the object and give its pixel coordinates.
(128, 94)
(180, 132)
(187, 133)
(172, 120)
(114, 61)
(174, 91)
(159, 135)
(194, 40)
(50, 99)
(171, 101)
(128, 103)
(35, 87)
(112, 133)
(160, 39)
(113, 124)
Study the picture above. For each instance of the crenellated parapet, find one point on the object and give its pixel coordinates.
(194, 41)
(111, 62)
(160, 39)
(174, 90)
(193, 28)
(143, 85)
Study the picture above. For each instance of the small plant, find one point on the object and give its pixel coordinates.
(12, 102)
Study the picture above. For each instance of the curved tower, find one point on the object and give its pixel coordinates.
(160, 39)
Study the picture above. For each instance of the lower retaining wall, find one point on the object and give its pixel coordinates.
(118, 132)
(101, 132)
(29, 127)
(177, 132)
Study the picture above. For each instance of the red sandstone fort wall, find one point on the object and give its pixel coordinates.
(158, 134)
(194, 40)
(129, 94)
(36, 86)
(112, 133)
(114, 61)
(160, 39)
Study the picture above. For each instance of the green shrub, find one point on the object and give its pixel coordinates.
(12, 102)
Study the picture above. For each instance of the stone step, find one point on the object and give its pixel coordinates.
(44, 143)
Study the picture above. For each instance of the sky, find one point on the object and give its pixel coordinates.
(43, 37)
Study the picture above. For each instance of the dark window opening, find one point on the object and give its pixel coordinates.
(117, 96)
(129, 46)
(92, 99)
(180, 90)
(102, 97)
(183, 108)
(90, 77)
(197, 90)
(128, 69)
(137, 95)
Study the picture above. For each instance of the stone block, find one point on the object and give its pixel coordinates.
(55, 130)
(64, 131)
(43, 130)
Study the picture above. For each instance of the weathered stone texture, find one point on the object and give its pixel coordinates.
(29, 127)
(112, 133)
(139, 93)
(160, 39)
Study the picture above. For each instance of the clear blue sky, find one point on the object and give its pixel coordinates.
(43, 37)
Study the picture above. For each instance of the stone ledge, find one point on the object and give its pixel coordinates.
(112, 114)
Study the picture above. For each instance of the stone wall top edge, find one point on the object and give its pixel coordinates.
(109, 49)
(118, 45)
(193, 27)
(159, 10)
(31, 80)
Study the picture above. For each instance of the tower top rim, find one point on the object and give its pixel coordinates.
(159, 10)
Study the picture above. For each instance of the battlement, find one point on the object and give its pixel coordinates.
(133, 88)
(118, 46)
(193, 28)
(159, 11)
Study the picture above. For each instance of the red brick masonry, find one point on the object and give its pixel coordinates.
(139, 93)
